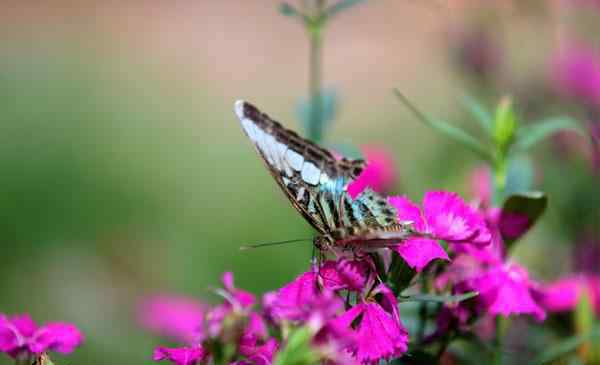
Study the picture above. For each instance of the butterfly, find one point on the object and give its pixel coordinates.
(315, 182)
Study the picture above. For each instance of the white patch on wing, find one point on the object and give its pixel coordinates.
(271, 146)
(285, 166)
(249, 128)
(310, 173)
(294, 158)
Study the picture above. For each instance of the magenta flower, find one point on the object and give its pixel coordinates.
(19, 335)
(564, 294)
(181, 355)
(177, 317)
(379, 175)
(293, 301)
(345, 274)
(480, 185)
(257, 353)
(236, 301)
(444, 216)
(506, 289)
(379, 332)
(576, 72)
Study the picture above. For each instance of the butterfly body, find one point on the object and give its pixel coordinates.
(315, 182)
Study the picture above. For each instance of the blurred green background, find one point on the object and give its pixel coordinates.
(124, 170)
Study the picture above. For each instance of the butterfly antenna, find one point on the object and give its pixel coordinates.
(277, 243)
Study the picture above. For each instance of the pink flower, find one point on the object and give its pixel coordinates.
(481, 185)
(181, 355)
(19, 334)
(345, 274)
(236, 301)
(256, 353)
(564, 294)
(379, 332)
(444, 216)
(178, 317)
(292, 302)
(576, 72)
(379, 174)
(506, 289)
(418, 252)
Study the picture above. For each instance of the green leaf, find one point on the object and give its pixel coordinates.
(297, 350)
(439, 298)
(341, 6)
(520, 175)
(530, 135)
(454, 133)
(565, 347)
(519, 213)
(400, 275)
(479, 113)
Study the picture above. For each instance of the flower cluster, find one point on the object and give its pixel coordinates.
(347, 305)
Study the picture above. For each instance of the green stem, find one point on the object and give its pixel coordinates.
(423, 309)
(500, 176)
(501, 326)
(314, 26)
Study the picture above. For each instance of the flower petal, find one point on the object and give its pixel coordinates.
(58, 337)
(451, 219)
(173, 316)
(10, 338)
(379, 174)
(292, 300)
(562, 295)
(408, 211)
(418, 252)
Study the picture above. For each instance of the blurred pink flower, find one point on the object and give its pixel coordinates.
(20, 335)
(564, 294)
(506, 290)
(576, 72)
(237, 301)
(379, 174)
(480, 184)
(379, 332)
(258, 353)
(180, 355)
(177, 317)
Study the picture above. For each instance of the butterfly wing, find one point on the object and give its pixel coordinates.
(310, 176)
